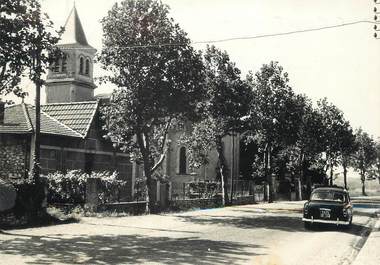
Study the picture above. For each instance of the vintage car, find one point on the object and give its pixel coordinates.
(328, 205)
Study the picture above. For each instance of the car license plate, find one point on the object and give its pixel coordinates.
(325, 213)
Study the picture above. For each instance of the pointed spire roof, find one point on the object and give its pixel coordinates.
(74, 33)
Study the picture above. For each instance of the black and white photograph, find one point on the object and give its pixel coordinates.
(190, 132)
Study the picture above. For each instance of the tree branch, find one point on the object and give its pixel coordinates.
(163, 149)
(4, 67)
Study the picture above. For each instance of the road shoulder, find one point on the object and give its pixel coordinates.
(370, 254)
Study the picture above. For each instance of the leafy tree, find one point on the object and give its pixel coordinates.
(27, 49)
(41, 51)
(274, 116)
(158, 77)
(23, 29)
(310, 142)
(365, 156)
(227, 102)
(378, 159)
(14, 40)
(348, 147)
(335, 128)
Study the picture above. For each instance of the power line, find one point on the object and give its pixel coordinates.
(160, 45)
(286, 33)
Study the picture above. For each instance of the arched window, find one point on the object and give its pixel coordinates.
(182, 161)
(87, 72)
(55, 67)
(81, 64)
(64, 63)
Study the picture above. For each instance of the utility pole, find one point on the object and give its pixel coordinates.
(376, 18)
(38, 83)
(232, 168)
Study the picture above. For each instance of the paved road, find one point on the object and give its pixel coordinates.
(253, 234)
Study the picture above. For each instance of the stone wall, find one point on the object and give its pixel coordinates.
(183, 205)
(13, 157)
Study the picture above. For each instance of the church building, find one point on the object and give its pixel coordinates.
(71, 130)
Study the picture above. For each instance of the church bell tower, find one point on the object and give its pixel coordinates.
(70, 78)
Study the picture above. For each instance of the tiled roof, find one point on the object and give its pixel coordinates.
(15, 120)
(20, 119)
(76, 115)
(49, 125)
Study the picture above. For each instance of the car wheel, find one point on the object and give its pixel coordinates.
(348, 226)
(307, 225)
(349, 223)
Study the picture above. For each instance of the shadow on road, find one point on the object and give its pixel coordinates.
(290, 222)
(116, 249)
(275, 222)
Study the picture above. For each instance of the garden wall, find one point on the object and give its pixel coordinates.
(124, 207)
(13, 157)
(186, 204)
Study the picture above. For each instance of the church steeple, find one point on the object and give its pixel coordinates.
(74, 33)
(70, 78)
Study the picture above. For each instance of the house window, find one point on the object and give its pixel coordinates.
(64, 64)
(87, 72)
(81, 64)
(182, 161)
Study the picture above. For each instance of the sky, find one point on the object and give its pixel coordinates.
(342, 64)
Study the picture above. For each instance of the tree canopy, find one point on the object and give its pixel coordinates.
(365, 156)
(23, 28)
(225, 104)
(159, 79)
(274, 116)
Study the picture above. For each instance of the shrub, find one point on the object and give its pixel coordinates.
(140, 192)
(110, 186)
(202, 189)
(71, 187)
(7, 195)
(67, 188)
(30, 197)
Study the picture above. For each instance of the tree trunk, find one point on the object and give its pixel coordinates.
(345, 174)
(222, 170)
(223, 186)
(302, 175)
(268, 175)
(38, 196)
(331, 173)
(148, 176)
(362, 176)
(144, 148)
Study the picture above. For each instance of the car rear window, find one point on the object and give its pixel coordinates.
(328, 196)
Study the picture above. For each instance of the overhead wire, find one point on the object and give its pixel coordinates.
(287, 33)
(160, 45)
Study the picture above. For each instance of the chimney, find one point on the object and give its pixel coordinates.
(2, 108)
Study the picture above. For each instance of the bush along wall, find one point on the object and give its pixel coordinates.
(28, 208)
(202, 189)
(70, 187)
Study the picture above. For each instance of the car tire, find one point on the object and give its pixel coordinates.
(307, 225)
(349, 223)
(348, 226)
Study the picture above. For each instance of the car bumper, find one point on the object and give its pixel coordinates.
(321, 221)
